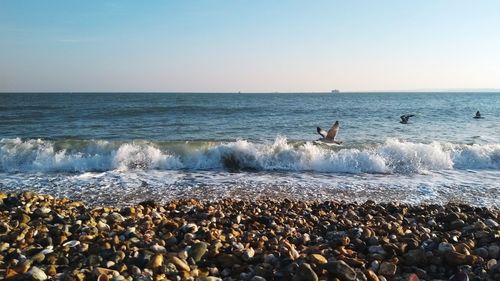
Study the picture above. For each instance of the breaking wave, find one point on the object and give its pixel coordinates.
(391, 157)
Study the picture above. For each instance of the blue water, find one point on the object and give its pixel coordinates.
(124, 147)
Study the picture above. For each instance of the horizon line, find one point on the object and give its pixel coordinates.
(262, 92)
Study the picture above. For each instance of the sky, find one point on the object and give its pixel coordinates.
(248, 46)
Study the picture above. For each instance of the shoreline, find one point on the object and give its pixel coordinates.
(47, 238)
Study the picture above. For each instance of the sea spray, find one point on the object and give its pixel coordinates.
(391, 157)
(135, 156)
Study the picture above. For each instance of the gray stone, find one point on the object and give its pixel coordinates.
(387, 269)
(341, 270)
(445, 247)
(305, 273)
(491, 223)
(360, 276)
(493, 252)
(482, 252)
(115, 217)
(198, 250)
(415, 257)
(375, 265)
(377, 250)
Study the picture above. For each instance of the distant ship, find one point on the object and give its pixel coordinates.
(335, 91)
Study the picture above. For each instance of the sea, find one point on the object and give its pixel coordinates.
(124, 148)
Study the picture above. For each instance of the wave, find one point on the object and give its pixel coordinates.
(391, 157)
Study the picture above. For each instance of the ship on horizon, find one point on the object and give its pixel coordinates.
(335, 91)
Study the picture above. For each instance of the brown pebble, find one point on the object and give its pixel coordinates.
(228, 260)
(156, 261)
(371, 276)
(180, 264)
(454, 258)
(317, 259)
(51, 270)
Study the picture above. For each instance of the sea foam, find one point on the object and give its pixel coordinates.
(391, 157)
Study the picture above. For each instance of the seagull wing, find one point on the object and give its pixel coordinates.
(333, 131)
(322, 132)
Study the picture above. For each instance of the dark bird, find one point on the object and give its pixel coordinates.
(478, 115)
(405, 118)
(329, 137)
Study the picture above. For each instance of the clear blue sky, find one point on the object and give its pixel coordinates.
(253, 45)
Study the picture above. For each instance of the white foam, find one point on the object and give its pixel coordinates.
(134, 156)
(392, 156)
(477, 156)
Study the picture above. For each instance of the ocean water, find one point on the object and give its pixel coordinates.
(123, 148)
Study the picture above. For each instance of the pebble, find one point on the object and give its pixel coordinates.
(413, 277)
(454, 258)
(189, 228)
(459, 276)
(71, 244)
(387, 269)
(158, 249)
(318, 259)
(375, 265)
(491, 263)
(234, 239)
(198, 250)
(305, 273)
(482, 252)
(415, 257)
(115, 218)
(39, 257)
(445, 247)
(491, 223)
(180, 264)
(377, 250)
(341, 270)
(248, 254)
(208, 278)
(37, 274)
(494, 252)
(156, 261)
(371, 275)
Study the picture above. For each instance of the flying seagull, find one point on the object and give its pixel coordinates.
(329, 136)
(405, 118)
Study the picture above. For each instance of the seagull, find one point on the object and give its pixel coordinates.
(478, 115)
(405, 118)
(329, 137)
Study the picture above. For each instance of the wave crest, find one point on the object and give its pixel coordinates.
(393, 156)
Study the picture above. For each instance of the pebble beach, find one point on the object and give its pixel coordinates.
(249, 140)
(47, 238)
